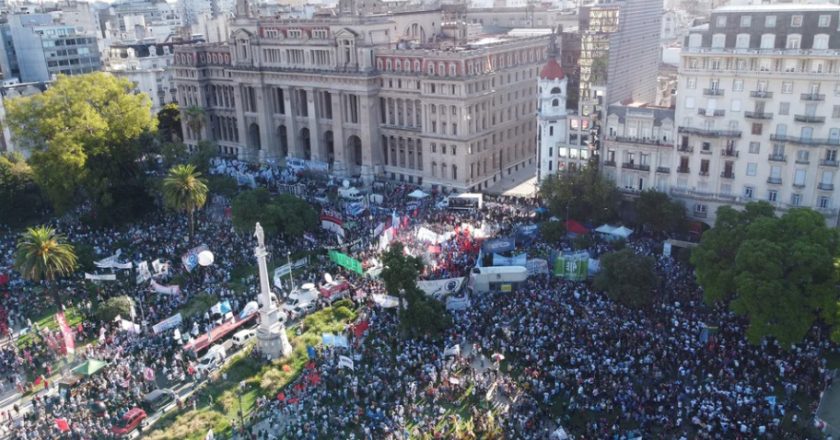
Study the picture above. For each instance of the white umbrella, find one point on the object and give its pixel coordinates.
(205, 258)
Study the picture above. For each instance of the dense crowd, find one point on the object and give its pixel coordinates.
(549, 354)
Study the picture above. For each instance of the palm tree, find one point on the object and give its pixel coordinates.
(44, 255)
(185, 190)
(195, 117)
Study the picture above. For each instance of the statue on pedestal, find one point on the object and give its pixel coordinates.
(271, 334)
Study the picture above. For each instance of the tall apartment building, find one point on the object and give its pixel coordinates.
(758, 109)
(36, 47)
(370, 95)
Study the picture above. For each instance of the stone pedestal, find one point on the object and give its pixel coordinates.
(273, 342)
(271, 334)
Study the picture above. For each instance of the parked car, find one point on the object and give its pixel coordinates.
(211, 360)
(158, 399)
(129, 421)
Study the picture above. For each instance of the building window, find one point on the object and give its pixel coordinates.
(835, 112)
(802, 156)
(720, 21)
(748, 192)
(691, 83)
(751, 169)
(796, 21)
(746, 20)
(718, 41)
(820, 41)
(825, 21)
(772, 195)
(738, 85)
(770, 21)
(757, 128)
(793, 41)
(795, 199)
(742, 41)
(768, 41)
(755, 147)
(787, 87)
(784, 108)
(799, 178)
(823, 202)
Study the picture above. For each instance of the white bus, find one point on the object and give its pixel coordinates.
(497, 278)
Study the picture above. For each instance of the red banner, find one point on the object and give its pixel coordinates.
(66, 332)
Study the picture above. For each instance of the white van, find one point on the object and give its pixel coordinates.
(351, 194)
(301, 301)
(211, 360)
(242, 337)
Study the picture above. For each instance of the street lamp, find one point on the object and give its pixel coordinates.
(291, 278)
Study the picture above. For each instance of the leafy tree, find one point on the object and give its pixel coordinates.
(222, 185)
(173, 153)
(656, 210)
(169, 123)
(296, 216)
(785, 275)
(252, 206)
(714, 258)
(200, 158)
(115, 306)
(195, 117)
(185, 190)
(44, 255)
(553, 231)
(83, 134)
(20, 197)
(581, 194)
(627, 278)
(419, 314)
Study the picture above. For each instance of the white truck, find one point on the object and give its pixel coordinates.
(213, 359)
(301, 301)
(351, 194)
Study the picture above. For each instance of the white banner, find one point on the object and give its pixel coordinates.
(442, 287)
(112, 263)
(160, 267)
(536, 266)
(386, 301)
(190, 258)
(143, 273)
(345, 362)
(284, 270)
(168, 323)
(101, 277)
(457, 303)
(454, 350)
(128, 326)
(167, 290)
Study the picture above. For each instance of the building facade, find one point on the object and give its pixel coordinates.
(371, 96)
(758, 110)
(552, 123)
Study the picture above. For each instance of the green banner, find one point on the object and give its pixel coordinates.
(574, 267)
(346, 262)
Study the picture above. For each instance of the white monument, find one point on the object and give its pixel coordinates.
(271, 334)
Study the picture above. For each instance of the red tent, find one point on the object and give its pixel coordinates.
(576, 228)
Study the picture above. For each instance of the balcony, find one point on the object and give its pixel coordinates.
(704, 173)
(758, 115)
(706, 150)
(683, 170)
(804, 141)
(774, 180)
(710, 133)
(825, 186)
(713, 92)
(728, 152)
(636, 140)
(663, 170)
(812, 97)
(799, 185)
(635, 166)
(777, 158)
(761, 94)
(802, 161)
(609, 163)
(728, 175)
(810, 119)
(828, 212)
(685, 149)
(700, 214)
(829, 163)
(704, 112)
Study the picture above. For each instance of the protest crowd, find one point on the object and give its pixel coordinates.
(520, 364)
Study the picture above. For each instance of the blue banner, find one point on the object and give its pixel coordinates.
(516, 260)
(499, 245)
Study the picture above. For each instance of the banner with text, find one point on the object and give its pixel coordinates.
(574, 267)
(438, 288)
(516, 260)
(168, 323)
(190, 259)
(346, 262)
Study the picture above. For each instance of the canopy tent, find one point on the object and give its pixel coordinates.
(418, 194)
(575, 227)
(89, 367)
(614, 231)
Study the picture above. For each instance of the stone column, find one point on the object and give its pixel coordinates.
(314, 134)
(369, 134)
(291, 125)
(339, 165)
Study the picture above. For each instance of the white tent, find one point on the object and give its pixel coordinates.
(622, 232)
(418, 194)
(614, 231)
(605, 229)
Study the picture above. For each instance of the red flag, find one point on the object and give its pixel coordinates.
(299, 387)
(314, 379)
(281, 396)
(62, 425)
(38, 380)
(360, 328)
(294, 400)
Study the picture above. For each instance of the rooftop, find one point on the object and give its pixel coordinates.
(780, 7)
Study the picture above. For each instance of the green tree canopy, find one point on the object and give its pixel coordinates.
(169, 123)
(553, 231)
(83, 135)
(115, 306)
(20, 197)
(419, 314)
(656, 210)
(714, 258)
(44, 255)
(785, 277)
(186, 191)
(581, 194)
(284, 214)
(627, 278)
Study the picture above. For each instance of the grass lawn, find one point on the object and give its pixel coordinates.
(47, 320)
(257, 378)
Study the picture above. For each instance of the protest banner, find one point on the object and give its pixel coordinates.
(190, 258)
(168, 323)
(346, 262)
(438, 288)
(143, 273)
(101, 277)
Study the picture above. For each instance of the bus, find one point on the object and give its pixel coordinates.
(497, 278)
(466, 201)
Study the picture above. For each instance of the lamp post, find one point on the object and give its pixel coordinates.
(291, 277)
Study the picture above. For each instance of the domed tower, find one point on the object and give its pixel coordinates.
(552, 112)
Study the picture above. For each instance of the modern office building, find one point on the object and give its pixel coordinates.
(370, 95)
(36, 47)
(758, 110)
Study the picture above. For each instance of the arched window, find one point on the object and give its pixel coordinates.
(398, 66)
(454, 172)
(820, 41)
(388, 65)
(718, 41)
(555, 91)
(434, 169)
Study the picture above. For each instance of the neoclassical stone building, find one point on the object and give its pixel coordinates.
(410, 96)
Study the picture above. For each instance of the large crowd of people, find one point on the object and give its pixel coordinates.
(550, 354)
